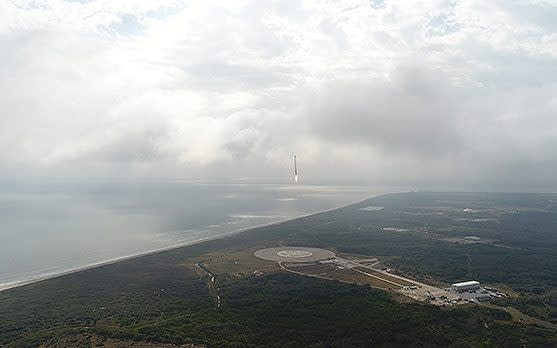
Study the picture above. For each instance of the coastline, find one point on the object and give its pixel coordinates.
(52, 275)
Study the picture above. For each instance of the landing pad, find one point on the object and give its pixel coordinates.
(294, 254)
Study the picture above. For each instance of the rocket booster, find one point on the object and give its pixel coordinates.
(295, 170)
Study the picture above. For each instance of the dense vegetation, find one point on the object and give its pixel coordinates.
(525, 254)
(161, 298)
(522, 229)
(280, 310)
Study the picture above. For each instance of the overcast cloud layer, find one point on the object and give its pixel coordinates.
(420, 93)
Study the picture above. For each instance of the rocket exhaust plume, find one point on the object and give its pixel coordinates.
(295, 170)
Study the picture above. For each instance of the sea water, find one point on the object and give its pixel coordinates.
(53, 227)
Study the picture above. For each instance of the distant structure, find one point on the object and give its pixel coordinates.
(295, 170)
(472, 238)
(465, 286)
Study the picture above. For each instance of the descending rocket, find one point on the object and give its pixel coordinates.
(295, 170)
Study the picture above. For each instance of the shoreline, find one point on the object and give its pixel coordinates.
(52, 275)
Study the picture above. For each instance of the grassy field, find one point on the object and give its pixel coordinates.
(352, 276)
(387, 277)
(238, 262)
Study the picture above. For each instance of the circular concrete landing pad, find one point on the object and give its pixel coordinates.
(294, 254)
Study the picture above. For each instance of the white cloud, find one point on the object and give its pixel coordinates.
(416, 91)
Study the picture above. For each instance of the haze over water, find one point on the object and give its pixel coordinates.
(51, 228)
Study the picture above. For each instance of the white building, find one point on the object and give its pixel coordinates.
(465, 286)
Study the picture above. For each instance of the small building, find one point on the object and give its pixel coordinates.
(465, 286)
(483, 297)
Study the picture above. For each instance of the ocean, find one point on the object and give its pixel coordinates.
(53, 227)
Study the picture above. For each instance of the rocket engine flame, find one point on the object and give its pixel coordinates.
(296, 178)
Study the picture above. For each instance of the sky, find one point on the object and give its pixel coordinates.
(424, 94)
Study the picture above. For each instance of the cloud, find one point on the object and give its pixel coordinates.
(413, 112)
(418, 93)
